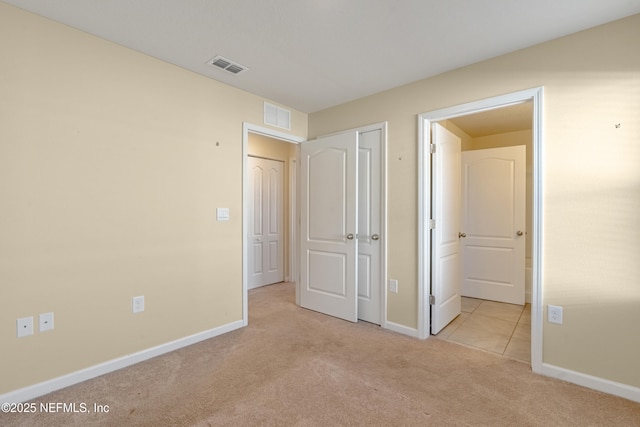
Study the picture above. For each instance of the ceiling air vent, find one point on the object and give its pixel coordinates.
(226, 64)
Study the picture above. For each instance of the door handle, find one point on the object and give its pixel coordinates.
(350, 236)
(519, 233)
(462, 235)
(375, 237)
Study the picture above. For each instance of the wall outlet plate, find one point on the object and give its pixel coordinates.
(554, 314)
(46, 322)
(393, 286)
(24, 327)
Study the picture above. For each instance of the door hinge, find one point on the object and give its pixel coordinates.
(432, 224)
(432, 148)
(432, 300)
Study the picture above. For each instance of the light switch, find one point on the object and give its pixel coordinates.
(222, 214)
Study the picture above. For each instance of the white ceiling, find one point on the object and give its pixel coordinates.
(314, 54)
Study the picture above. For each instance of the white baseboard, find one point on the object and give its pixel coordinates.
(589, 381)
(40, 389)
(396, 327)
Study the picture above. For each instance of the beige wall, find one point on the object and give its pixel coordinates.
(591, 179)
(270, 148)
(112, 165)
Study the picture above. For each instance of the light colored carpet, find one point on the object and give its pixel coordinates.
(295, 367)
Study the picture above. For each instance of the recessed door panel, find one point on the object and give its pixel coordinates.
(327, 273)
(327, 221)
(489, 263)
(491, 206)
(364, 279)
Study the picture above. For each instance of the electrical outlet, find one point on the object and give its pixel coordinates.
(138, 304)
(24, 327)
(46, 322)
(554, 314)
(393, 286)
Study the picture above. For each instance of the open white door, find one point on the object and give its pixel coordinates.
(493, 221)
(328, 209)
(445, 262)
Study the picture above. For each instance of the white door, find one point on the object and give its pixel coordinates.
(493, 220)
(446, 263)
(369, 225)
(328, 209)
(266, 253)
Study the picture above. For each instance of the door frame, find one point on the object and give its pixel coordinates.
(424, 207)
(248, 128)
(382, 126)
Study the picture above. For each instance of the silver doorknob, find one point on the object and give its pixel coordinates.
(519, 233)
(375, 237)
(462, 235)
(350, 236)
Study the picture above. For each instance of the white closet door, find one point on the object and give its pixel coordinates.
(266, 253)
(328, 196)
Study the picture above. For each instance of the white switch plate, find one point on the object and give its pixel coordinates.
(554, 314)
(138, 304)
(222, 214)
(393, 286)
(24, 326)
(46, 322)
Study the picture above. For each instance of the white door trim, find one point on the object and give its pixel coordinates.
(248, 128)
(424, 207)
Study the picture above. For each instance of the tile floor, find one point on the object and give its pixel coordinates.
(493, 326)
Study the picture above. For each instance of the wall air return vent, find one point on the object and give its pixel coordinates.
(226, 64)
(276, 116)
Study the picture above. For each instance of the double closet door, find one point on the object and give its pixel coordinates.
(341, 225)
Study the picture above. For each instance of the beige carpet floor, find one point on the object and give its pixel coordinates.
(295, 367)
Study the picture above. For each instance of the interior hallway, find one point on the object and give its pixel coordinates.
(492, 326)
